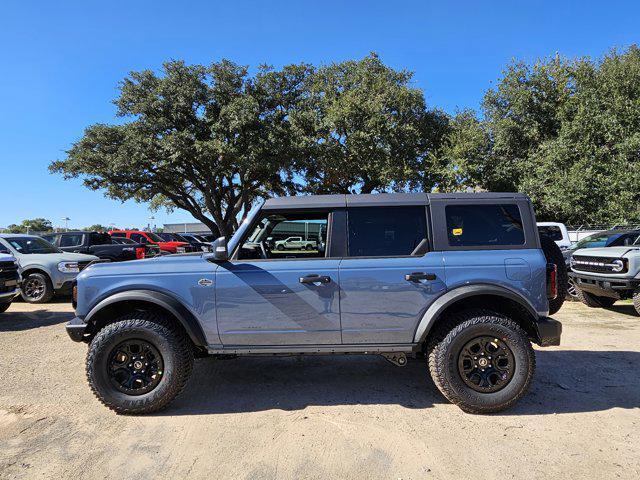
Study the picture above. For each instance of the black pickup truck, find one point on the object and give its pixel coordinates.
(96, 243)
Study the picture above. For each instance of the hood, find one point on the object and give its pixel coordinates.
(4, 257)
(189, 262)
(610, 252)
(173, 243)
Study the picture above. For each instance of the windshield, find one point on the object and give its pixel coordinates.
(596, 240)
(154, 237)
(29, 245)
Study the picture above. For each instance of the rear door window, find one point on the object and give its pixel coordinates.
(386, 231)
(71, 240)
(484, 225)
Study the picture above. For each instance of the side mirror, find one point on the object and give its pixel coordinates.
(220, 252)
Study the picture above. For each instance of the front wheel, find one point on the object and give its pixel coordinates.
(481, 361)
(36, 288)
(139, 364)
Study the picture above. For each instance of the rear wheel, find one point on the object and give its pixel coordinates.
(139, 364)
(481, 361)
(553, 254)
(594, 301)
(36, 288)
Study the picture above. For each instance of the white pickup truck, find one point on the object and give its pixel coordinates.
(295, 243)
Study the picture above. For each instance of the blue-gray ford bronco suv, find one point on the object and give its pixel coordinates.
(459, 279)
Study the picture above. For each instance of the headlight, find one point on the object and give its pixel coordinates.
(617, 265)
(68, 267)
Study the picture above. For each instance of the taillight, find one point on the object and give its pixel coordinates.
(139, 253)
(552, 281)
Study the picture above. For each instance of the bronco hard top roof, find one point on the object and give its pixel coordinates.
(380, 199)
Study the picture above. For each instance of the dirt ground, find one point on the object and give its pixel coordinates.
(322, 417)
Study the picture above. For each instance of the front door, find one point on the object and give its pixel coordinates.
(266, 296)
(389, 277)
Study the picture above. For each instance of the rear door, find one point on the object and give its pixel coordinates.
(389, 277)
(72, 242)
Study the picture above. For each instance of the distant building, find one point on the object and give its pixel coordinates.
(194, 227)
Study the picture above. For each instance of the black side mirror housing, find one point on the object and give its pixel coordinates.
(220, 252)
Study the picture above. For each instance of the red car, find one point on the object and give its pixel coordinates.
(140, 236)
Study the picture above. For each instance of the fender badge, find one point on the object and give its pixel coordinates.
(205, 282)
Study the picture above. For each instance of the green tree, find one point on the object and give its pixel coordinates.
(96, 228)
(566, 132)
(363, 128)
(208, 140)
(32, 225)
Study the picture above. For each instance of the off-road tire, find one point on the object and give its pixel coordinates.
(4, 306)
(444, 348)
(594, 301)
(172, 344)
(42, 279)
(553, 254)
(636, 300)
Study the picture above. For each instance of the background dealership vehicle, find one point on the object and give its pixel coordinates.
(295, 243)
(608, 238)
(460, 278)
(95, 243)
(44, 268)
(9, 279)
(143, 237)
(197, 244)
(557, 232)
(604, 275)
(150, 250)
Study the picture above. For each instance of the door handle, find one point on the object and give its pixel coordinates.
(315, 278)
(417, 276)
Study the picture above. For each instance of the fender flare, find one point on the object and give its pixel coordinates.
(444, 301)
(167, 302)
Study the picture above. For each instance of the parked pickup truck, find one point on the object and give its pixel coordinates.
(295, 243)
(9, 279)
(95, 243)
(143, 237)
(460, 279)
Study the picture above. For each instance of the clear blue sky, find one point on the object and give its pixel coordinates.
(61, 62)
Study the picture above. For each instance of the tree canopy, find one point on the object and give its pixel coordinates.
(212, 139)
(566, 132)
(32, 225)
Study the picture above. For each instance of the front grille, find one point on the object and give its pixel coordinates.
(8, 270)
(598, 264)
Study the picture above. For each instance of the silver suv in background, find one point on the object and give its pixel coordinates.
(45, 269)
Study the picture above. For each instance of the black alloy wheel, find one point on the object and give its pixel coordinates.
(486, 364)
(135, 367)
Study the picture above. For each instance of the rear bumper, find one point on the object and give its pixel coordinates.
(76, 329)
(549, 332)
(604, 286)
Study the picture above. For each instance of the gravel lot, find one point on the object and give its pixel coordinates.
(322, 417)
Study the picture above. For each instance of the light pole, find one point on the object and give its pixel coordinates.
(66, 223)
(151, 219)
